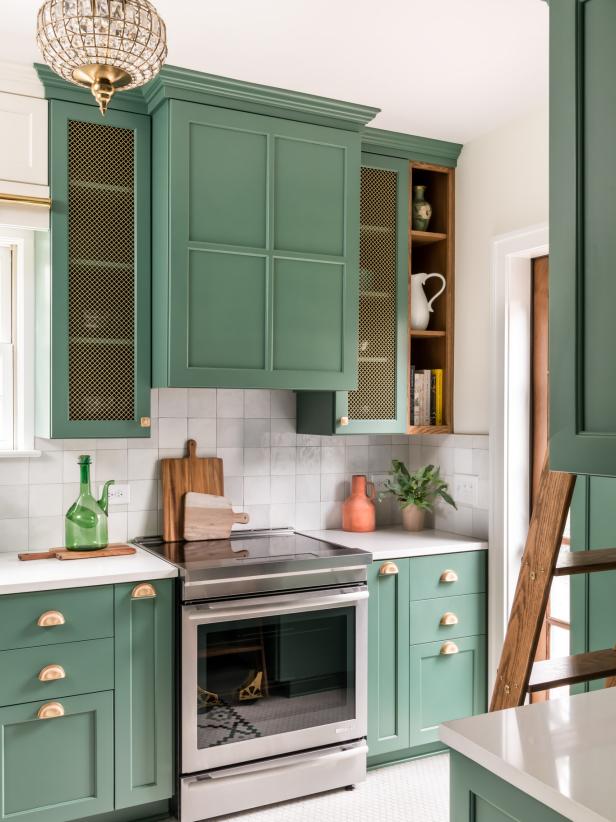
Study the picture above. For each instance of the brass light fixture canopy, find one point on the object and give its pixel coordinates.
(104, 45)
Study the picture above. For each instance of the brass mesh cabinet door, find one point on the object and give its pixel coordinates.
(99, 282)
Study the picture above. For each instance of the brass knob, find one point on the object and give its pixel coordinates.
(388, 569)
(50, 710)
(449, 618)
(145, 422)
(51, 672)
(448, 576)
(145, 590)
(448, 648)
(50, 618)
(343, 421)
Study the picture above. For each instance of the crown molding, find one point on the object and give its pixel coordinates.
(20, 78)
(410, 147)
(194, 86)
(56, 88)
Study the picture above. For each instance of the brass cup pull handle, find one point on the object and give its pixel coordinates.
(448, 648)
(50, 618)
(448, 576)
(388, 569)
(51, 672)
(449, 618)
(50, 710)
(145, 590)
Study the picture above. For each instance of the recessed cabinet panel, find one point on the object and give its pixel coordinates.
(226, 307)
(228, 186)
(308, 302)
(23, 139)
(309, 209)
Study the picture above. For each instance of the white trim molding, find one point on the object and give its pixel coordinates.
(20, 78)
(510, 324)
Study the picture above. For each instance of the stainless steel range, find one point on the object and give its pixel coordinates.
(273, 669)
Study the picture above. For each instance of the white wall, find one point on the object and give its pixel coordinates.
(501, 186)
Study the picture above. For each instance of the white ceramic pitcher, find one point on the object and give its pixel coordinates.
(420, 307)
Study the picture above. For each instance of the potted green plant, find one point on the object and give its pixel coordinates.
(416, 493)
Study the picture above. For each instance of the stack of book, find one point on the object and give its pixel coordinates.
(426, 396)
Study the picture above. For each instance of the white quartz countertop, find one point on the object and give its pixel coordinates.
(561, 752)
(47, 574)
(396, 543)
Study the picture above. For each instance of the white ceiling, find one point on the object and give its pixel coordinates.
(451, 69)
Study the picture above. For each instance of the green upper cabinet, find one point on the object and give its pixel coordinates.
(93, 300)
(256, 241)
(582, 239)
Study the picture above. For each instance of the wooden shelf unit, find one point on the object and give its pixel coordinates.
(433, 251)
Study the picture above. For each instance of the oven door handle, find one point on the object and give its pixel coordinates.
(200, 615)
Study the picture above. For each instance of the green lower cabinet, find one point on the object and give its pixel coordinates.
(56, 770)
(143, 695)
(479, 796)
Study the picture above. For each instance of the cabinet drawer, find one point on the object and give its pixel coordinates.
(82, 613)
(78, 667)
(447, 575)
(439, 619)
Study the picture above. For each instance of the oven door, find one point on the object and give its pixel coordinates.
(272, 675)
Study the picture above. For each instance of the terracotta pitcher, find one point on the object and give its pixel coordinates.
(358, 511)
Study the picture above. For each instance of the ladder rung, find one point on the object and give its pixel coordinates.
(585, 562)
(567, 670)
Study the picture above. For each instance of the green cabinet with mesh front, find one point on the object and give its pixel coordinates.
(93, 277)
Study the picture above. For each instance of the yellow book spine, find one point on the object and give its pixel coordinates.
(438, 372)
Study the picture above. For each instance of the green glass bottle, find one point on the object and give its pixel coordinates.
(86, 519)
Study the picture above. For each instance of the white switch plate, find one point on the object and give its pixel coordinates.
(465, 488)
(118, 494)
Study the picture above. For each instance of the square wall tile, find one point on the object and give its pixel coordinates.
(308, 516)
(172, 432)
(282, 489)
(282, 405)
(111, 465)
(256, 403)
(234, 491)
(256, 462)
(282, 515)
(332, 459)
(14, 534)
(308, 488)
(256, 491)
(283, 432)
(45, 500)
(334, 487)
(481, 464)
(257, 433)
(233, 461)
(13, 502)
(259, 517)
(205, 431)
(331, 515)
(45, 533)
(118, 526)
(142, 464)
(142, 524)
(143, 495)
(230, 433)
(173, 402)
(283, 461)
(357, 459)
(202, 402)
(463, 461)
(308, 460)
(48, 467)
(230, 403)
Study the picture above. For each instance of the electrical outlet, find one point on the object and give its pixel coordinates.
(118, 494)
(465, 488)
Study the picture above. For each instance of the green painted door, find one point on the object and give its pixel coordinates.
(379, 404)
(388, 659)
(446, 686)
(255, 250)
(93, 303)
(144, 694)
(55, 770)
(582, 240)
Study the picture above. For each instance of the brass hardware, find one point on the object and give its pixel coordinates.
(343, 421)
(51, 672)
(26, 199)
(50, 618)
(50, 710)
(145, 590)
(102, 80)
(145, 422)
(253, 689)
(448, 648)
(207, 698)
(388, 569)
(448, 576)
(449, 618)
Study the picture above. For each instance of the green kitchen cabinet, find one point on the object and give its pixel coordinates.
(256, 246)
(388, 657)
(379, 404)
(93, 310)
(582, 240)
(143, 693)
(58, 769)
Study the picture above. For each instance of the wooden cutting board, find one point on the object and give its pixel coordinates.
(207, 516)
(119, 550)
(179, 476)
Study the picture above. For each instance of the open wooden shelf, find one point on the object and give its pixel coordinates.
(427, 334)
(428, 429)
(427, 237)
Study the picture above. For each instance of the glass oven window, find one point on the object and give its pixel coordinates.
(272, 675)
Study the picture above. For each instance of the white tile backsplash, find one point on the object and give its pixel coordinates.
(278, 477)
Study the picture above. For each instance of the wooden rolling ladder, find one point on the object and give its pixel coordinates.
(518, 674)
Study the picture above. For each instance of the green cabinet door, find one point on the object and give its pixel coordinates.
(388, 659)
(143, 694)
(256, 244)
(446, 686)
(93, 301)
(379, 404)
(582, 240)
(55, 770)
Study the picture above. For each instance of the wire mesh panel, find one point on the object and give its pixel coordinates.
(375, 397)
(101, 218)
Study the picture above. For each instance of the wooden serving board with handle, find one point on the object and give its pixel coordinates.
(207, 516)
(179, 476)
(119, 550)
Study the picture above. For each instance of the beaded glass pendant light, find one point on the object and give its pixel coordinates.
(105, 45)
